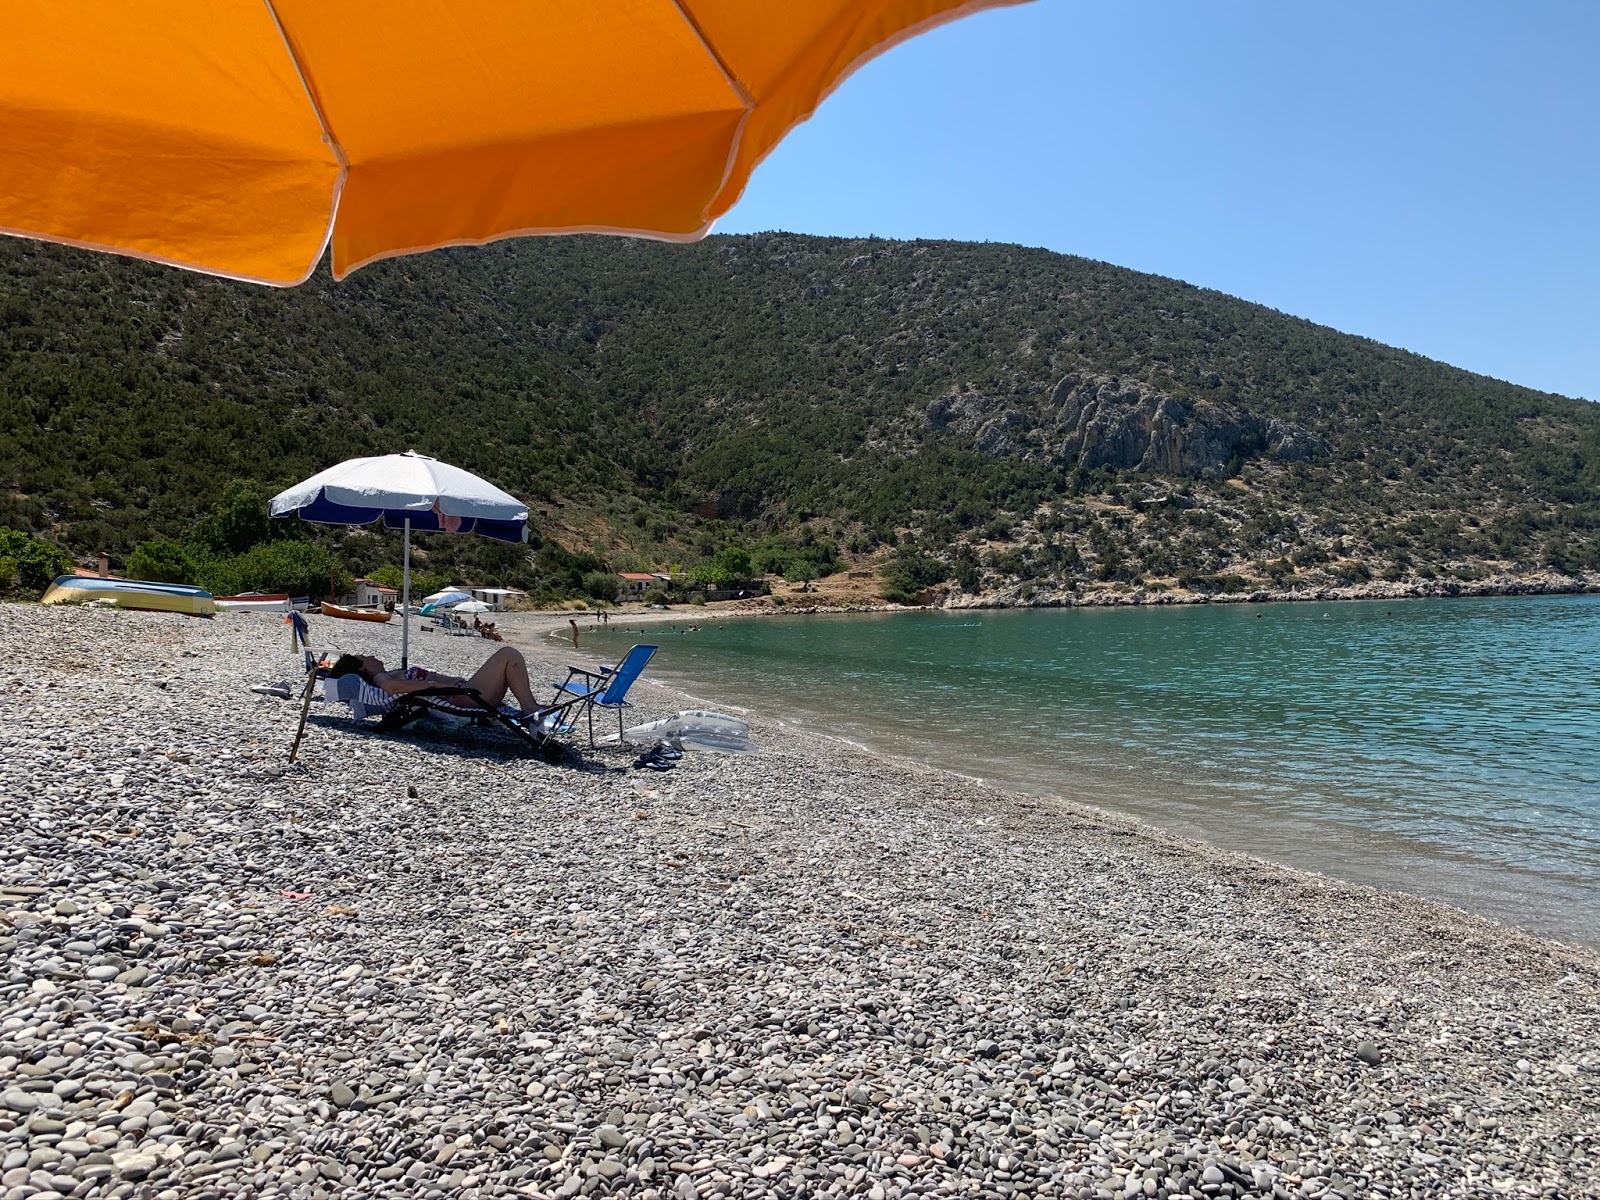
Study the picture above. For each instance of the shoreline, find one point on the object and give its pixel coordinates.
(422, 965)
(1387, 862)
(1547, 584)
(1499, 586)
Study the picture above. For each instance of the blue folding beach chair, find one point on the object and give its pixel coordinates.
(606, 688)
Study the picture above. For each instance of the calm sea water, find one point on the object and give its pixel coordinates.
(1445, 748)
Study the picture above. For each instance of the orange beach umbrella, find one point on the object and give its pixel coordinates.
(241, 137)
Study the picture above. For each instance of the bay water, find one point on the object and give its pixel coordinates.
(1445, 748)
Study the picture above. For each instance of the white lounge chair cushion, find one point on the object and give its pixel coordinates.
(364, 699)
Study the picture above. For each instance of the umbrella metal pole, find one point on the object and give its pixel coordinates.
(405, 604)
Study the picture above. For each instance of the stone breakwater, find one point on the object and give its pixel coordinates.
(426, 967)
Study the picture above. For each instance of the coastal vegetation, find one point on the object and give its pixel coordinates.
(985, 420)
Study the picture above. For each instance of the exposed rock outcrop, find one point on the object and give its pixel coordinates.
(1096, 421)
(999, 427)
(1101, 421)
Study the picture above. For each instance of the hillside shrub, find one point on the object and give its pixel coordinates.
(238, 522)
(298, 568)
(603, 585)
(36, 561)
(162, 561)
(909, 574)
(423, 583)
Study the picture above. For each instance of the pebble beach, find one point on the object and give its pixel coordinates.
(429, 966)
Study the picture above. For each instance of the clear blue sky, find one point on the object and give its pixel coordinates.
(1422, 173)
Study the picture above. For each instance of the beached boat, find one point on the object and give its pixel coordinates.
(254, 602)
(354, 614)
(143, 594)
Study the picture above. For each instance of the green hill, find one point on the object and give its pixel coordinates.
(1009, 418)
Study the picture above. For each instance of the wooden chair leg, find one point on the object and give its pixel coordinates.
(305, 709)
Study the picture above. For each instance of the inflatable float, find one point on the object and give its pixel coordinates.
(692, 729)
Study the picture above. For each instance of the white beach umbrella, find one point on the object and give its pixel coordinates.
(406, 491)
(471, 606)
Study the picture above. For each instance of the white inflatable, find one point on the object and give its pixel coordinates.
(693, 729)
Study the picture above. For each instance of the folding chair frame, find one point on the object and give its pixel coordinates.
(413, 706)
(598, 683)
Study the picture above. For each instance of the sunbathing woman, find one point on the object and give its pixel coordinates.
(505, 671)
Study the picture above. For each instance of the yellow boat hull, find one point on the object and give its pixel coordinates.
(144, 595)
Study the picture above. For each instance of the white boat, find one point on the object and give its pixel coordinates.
(254, 602)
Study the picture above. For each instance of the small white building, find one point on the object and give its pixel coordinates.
(371, 594)
(495, 598)
(635, 583)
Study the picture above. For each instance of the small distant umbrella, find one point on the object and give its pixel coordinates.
(406, 491)
(471, 606)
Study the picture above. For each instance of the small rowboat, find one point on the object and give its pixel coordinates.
(143, 594)
(254, 602)
(353, 614)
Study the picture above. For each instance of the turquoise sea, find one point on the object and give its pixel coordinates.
(1447, 748)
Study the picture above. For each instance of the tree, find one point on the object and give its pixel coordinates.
(423, 583)
(734, 563)
(603, 585)
(35, 561)
(238, 522)
(909, 574)
(163, 561)
(298, 568)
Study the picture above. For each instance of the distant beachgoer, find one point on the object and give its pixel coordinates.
(573, 622)
(504, 671)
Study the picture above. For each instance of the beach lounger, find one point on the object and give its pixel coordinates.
(537, 731)
(605, 688)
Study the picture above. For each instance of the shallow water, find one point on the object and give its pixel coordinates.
(1448, 748)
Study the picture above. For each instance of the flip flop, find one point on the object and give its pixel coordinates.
(653, 760)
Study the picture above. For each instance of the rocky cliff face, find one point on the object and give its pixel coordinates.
(1101, 421)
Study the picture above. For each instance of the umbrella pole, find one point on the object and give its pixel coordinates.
(405, 604)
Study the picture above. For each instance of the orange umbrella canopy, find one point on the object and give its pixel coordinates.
(240, 137)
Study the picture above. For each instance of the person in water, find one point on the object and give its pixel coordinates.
(505, 671)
